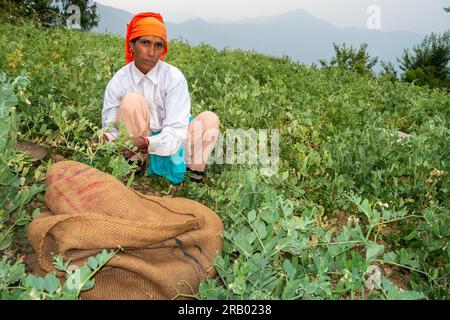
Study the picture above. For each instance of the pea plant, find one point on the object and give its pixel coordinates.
(358, 208)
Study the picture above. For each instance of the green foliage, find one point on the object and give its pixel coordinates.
(388, 71)
(15, 284)
(350, 59)
(14, 194)
(392, 292)
(88, 9)
(350, 194)
(50, 13)
(428, 63)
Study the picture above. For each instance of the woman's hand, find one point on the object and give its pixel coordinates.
(97, 140)
(140, 142)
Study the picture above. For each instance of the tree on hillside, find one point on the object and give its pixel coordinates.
(388, 71)
(51, 12)
(428, 62)
(350, 59)
(88, 9)
(42, 11)
(447, 9)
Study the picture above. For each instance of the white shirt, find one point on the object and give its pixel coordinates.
(166, 91)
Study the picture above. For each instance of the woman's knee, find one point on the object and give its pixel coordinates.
(209, 119)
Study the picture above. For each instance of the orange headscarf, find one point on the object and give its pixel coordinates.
(145, 24)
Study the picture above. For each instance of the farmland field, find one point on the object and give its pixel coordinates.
(350, 195)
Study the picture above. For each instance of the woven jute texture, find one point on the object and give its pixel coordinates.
(169, 244)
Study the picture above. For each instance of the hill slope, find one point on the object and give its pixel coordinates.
(349, 193)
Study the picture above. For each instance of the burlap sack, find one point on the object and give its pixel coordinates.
(169, 244)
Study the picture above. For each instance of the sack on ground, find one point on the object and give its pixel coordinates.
(169, 244)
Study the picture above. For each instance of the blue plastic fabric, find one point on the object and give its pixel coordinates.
(173, 168)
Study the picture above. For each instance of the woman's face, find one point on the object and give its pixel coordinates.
(147, 51)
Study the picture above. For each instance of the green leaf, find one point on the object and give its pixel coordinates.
(22, 218)
(39, 283)
(36, 212)
(92, 263)
(405, 295)
(412, 235)
(32, 281)
(104, 257)
(395, 293)
(14, 274)
(88, 285)
(448, 250)
(59, 264)
(8, 100)
(5, 241)
(270, 244)
(293, 246)
(373, 250)
(287, 209)
(260, 228)
(390, 257)
(408, 258)
(251, 216)
(238, 286)
(51, 283)
(366, 208)
(251, 237)
(243, 245)
(269, 216)
(259, 261)
(289, 291)
(85, 273)
(5, 126)
(296, 223)
(289, 268)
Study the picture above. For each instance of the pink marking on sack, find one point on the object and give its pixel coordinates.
(66, 199)
(61, 176)
(88, 200)
(51, 179)
(80, 172)
(90, 187)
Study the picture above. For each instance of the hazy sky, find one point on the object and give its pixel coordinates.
(421, 16)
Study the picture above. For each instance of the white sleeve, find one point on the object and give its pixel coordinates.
(111, 103)
(175, 125)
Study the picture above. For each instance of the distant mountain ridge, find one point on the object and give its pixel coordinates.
(112, 20)
(296, 34)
